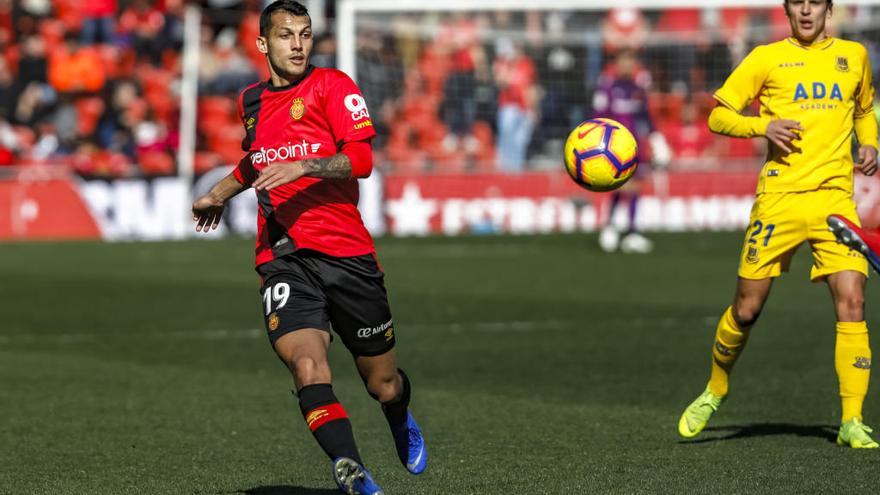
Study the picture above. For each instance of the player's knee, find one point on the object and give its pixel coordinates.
(746, 314)
(384, 388)
(309, 370)
(851, 307)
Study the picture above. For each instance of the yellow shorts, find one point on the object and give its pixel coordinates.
(781, 222)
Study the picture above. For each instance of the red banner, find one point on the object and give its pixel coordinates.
(35, 204)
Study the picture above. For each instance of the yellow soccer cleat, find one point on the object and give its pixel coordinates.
(854, 433)
(697, 414)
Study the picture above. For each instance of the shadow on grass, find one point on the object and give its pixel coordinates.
(286, 490)
(733, 432)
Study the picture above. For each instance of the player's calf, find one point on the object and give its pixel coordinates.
(328, 421)
(408, 439)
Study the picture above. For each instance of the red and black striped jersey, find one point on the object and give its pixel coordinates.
(312, 118)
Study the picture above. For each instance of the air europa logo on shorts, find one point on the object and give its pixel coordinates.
(365, 333)
(286, 152)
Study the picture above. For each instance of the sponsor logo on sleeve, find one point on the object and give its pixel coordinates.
(356, 104)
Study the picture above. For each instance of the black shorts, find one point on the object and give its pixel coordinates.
(307, 289)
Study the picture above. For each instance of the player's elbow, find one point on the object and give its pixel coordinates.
(717, 120)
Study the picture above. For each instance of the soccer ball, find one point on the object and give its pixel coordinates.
(601, 154)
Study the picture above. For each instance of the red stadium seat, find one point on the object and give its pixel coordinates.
(156, 163)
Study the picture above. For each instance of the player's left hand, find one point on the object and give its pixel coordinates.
(277, 174)
(867, 163)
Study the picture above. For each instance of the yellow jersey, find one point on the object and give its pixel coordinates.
(827, 88)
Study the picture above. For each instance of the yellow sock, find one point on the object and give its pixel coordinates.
(730, 340)
(852, 360)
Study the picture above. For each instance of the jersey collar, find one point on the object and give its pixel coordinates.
(268, 84)
(819, 45)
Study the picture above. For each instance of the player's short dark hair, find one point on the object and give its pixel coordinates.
(291, 6)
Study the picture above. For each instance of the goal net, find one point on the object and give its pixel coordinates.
(460, 86)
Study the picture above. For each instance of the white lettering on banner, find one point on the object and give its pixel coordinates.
(412, 214)
(135, 209)
(289, 151)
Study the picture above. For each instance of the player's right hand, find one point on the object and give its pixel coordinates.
(782, 132)
(207, 212)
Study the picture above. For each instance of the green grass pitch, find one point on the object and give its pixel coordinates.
(540, 365)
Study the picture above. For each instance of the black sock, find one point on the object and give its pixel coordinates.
(328, 421)
(395, 412)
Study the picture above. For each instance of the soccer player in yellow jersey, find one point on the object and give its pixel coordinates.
(814, 91)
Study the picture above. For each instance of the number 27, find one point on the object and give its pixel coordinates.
(759, 227)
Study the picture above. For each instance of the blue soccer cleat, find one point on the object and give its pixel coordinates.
(410, 445)
(353, 478)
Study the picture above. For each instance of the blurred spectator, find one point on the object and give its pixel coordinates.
(74, 68)
(461, 36)
(689, 136)
(561, 68)
(624, 29)
(235, 70)
(7, 28)
(674, 53)
(380, 77)
(8, 91)
(324, 51)
(35, 104)
(98, 22)
(116, 126)
(141, 25)
(517, 113)
(223, 13)
(172, 29)
(33, 64)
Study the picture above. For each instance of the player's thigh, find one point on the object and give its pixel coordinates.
(292, 300)
(775, 231)
(830, 256)
(357, 303)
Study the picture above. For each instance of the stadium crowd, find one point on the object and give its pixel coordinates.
(95, 85)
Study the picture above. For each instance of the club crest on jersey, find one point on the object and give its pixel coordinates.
(842, 64)
(297, 108)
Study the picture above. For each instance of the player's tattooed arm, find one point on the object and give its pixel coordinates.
(337, 166)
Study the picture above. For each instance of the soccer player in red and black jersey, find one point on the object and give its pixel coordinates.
(308, 141)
